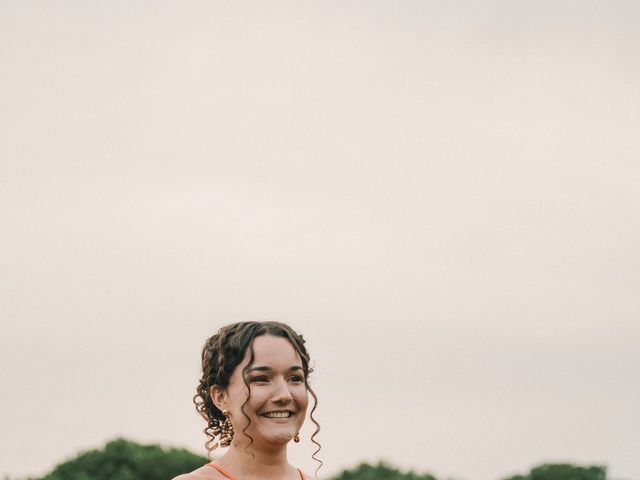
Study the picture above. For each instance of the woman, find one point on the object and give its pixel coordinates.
(254, 396)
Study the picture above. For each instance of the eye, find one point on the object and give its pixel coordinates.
(261, 378)
(296, 379)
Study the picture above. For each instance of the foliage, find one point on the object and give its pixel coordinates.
(122, 459)
(381, 471)
(563, 471)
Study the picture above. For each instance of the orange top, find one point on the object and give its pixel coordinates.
(231, 477)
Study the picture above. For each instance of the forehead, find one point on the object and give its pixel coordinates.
(272, 351)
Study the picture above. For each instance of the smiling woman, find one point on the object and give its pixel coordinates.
(254, 394)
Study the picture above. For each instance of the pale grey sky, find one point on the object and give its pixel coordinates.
(441, 196)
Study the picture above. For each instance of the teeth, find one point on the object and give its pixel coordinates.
(277, 415)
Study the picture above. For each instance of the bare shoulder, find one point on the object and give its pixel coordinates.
(189, 476)
(202, 473)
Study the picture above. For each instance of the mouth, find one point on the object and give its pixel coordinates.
(278, 414)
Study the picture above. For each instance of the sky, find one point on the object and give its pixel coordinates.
(442, 197)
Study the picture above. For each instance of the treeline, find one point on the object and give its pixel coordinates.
(122, 459)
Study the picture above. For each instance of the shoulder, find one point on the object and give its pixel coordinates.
(190, 476)
(202, 473)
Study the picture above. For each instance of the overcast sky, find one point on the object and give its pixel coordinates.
(441, 196)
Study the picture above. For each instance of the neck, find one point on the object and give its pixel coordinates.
(256, 461)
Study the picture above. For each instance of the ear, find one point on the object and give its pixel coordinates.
(219, 397)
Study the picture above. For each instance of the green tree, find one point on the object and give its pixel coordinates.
(381, 471)
(122, 459)
(563, 471)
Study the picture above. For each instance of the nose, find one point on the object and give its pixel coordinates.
(282, 394)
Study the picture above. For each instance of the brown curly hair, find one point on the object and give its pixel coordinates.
(223, 352)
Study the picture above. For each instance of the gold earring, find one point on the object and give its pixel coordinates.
(224, 429)
(297, 437)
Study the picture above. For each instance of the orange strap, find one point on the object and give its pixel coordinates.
(231, 477)
(221, 470)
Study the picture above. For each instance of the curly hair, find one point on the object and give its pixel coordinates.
(223, 352)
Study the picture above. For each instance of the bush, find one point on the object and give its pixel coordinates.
(122, 459)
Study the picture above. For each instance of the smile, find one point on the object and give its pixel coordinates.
(277, 414)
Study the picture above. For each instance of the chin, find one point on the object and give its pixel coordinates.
(279, 439)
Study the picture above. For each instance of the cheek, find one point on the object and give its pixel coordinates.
(258, 398)
(237, 397)
(303, 398)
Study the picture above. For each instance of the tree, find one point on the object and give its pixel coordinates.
(122, 459)
(563, 471)
(381, 471)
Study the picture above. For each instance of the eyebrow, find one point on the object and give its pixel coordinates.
(268, 369)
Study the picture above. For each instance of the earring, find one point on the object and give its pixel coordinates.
(297, 437)
(224, 429)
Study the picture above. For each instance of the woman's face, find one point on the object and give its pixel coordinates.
(278, 403)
